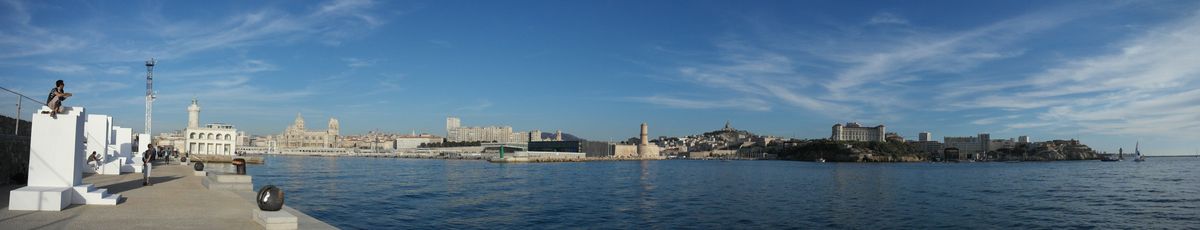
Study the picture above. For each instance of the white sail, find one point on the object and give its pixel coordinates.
(1136, 149)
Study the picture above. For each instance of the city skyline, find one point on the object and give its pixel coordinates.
(1110, 74)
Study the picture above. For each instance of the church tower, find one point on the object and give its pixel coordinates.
(299, 123)
(334, 127)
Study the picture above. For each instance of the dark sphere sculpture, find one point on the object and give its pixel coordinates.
(270, 198)
(199, 166)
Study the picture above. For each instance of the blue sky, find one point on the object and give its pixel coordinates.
(1109, 73)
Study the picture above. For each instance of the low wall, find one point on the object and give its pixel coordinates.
(14, 158)
(225, 158)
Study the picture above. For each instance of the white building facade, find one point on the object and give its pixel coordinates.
(856, 132)
(212, 139)
(969, 145)
(455, 132)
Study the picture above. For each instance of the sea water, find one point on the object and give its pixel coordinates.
(386, 193)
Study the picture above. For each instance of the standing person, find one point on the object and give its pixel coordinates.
(54, 100)
(167, 155)
(146, 165)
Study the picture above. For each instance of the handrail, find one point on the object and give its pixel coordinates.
(17, 124)
(23, 95)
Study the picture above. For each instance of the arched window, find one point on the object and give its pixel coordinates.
(192, 136)
(210, 136)
(227, 137)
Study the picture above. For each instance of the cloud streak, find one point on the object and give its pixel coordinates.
(752, 104)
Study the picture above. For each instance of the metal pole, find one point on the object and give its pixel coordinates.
(17, 123)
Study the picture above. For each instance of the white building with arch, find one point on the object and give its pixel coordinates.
(212, 139)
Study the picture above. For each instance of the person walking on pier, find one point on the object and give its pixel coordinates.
(146, 164)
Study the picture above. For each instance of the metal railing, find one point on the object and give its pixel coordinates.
(17, 116)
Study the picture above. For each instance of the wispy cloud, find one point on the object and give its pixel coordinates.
(387, 83)
(887, 18)
(752, 104)
(1144, 86)
(64, 68)
(243, 67)
(117, 70)
(358, 62)
(20, 38)
(750, 74)
(482, 105)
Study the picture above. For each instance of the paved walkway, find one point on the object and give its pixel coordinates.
(177, 200)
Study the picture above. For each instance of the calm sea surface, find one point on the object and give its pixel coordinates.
(377, 193)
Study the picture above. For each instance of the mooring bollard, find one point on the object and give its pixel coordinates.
(241, 165)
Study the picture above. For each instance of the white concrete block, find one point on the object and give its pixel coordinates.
(211, 182)
(111, 199)
(79, 191)
(97, 129)
(274, 220)
(56, 148)
(143, 140)
(89, 194)
(112, 166)
(124, 143)
(227, 178)
(200, 173)
(39, 198)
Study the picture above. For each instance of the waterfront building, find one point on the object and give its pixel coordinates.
(1002, 143)
(175, 139)
(645, 149)
(1023, 139)
(296, 136)
(455, 132)
(856, 132)
(925, 136)
(588, 148)
(414, 141)
(930, 146)
(970, 145)
(212, 139)
(624, 151)
(952, 153)
(535, 135)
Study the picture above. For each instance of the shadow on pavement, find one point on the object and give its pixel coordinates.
(134, 184)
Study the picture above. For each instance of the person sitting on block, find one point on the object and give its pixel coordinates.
(94, 158)
(54, 100)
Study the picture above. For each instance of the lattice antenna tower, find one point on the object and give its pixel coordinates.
(149, 92)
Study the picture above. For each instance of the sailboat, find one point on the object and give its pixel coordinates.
(1138, 152)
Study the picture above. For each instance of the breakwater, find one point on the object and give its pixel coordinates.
(225, 159)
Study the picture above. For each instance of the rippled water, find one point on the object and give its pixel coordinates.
(374, 193)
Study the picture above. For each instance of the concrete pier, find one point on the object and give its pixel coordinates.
(177, 200)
